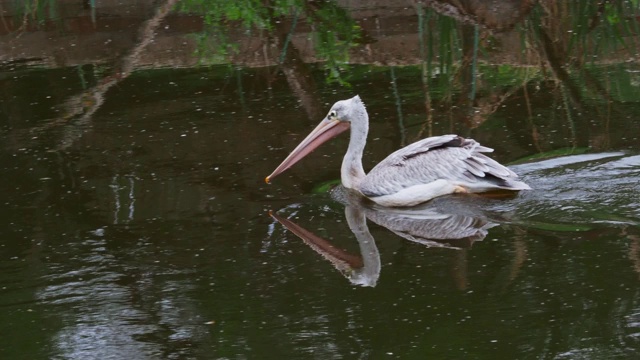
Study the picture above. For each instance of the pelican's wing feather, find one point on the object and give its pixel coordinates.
(398, 157)
(448, 157)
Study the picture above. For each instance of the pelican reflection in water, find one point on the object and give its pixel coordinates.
(426, 169)
(451, 223)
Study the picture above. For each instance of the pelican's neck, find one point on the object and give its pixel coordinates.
(352, 172)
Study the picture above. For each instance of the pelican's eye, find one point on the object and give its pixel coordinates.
(333, 115)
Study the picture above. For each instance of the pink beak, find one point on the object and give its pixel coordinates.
(326, 130)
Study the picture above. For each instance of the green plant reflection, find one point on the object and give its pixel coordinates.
(333, 31)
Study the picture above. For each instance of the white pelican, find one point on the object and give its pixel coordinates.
(431, 167)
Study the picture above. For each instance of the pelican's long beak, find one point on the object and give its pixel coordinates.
(326, 130)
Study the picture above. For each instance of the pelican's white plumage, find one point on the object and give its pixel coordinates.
(417, 173)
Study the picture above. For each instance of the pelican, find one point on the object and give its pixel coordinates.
(417, 173)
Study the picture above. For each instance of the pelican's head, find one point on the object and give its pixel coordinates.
(337, 121)
(347, 110)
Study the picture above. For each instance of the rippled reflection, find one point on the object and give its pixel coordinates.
(447, 222)
(105, 308)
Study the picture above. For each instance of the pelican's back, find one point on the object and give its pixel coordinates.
(451, 158)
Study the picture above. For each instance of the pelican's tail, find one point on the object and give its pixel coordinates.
(515, 185)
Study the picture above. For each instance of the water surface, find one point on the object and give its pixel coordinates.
(135, 220)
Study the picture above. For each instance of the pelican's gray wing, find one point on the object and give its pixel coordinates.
(449, 157)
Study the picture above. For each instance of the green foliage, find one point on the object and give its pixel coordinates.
(252, 13)
(334, 32)
(214, 45)
(581, 31)
(588, 29)
(36, 11)
(324, 187)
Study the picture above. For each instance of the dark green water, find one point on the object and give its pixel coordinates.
(135, 224)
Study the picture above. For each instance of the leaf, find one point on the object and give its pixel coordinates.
(551, 154)
(325, 186)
